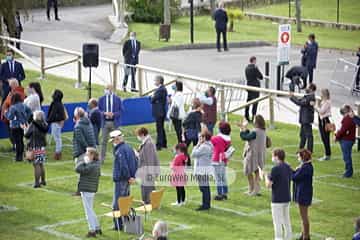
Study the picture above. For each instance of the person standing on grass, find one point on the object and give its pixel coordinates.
(192, 123)
(131, 51)
(221, 143)
(346, 135)
(209, 102)
(306, 116)
(56, 117)
(311, 52)
(254, 153)
(202, 154)
(357, 230)
(18, 115)
(34, 96)
(159, 102)
(111, 108)
(149, 164)
(324, 111)
(176, 110)
(36, 133)
(303, 189)
(279, 181)
(124, 169)
(83, 136)
(221, 20)
(89, 170)
(10, 69)
(178, 174)
(253, 77)
(95, 118)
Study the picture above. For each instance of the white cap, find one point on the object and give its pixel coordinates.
(114, 134)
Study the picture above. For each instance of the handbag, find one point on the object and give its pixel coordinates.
(133, 224)
(330, 127)
(174, 112)
(268, 142)
(29, 153)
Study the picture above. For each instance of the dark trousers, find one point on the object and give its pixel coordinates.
(205, 190)
(218, 34)
(311, 75)
(251, 96)
(161, 141)
(358, 78)
(180, 192)
(346, 148)
(132, 72)
(18, 36)
(189, 141)
(325, 136)
(306, 136)
(146, 190)
(122, 189)
(18, 138)
(210, 127)
(51, 3)
(178, 128)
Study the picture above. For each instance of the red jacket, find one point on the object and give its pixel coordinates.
(7, 103)
(221, 142)
(178, 175)
(347, 130)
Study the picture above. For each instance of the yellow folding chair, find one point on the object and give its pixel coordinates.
(155, 201)
(124, 204)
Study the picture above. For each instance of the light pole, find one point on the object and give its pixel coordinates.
(338, 12)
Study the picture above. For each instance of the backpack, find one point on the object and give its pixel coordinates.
(356, 120)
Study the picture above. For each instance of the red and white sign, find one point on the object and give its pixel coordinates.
(284, 40)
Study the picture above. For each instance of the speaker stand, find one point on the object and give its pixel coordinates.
(89, 86)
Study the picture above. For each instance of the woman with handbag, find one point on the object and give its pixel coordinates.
(36, 133)
(176, 110)
(192, 123)
(56, 117)
(254, 153)
(325, 126)
(303, 190)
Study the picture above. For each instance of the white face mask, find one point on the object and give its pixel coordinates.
(87, 159)
(107, 92)
(139, 138)
(300, 160)
(132, 38)
(274, 160)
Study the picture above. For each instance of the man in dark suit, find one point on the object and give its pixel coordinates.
(53, 3)
(310, 53)
(253, 75)
(10, 69)
(131, 50)
(159, 101)
(221, 20)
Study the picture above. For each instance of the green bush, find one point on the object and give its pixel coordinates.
(151, 11)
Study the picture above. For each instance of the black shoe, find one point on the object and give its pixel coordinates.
(117, 229)
(43, 183)
(345, 176)
(225, 197)
(134, 90)
(226, 49)
(124, 89)
(219, 198)
(91, 235)
(57, 19)
(37, 186)
(158, 148)
(202, 209)
(98, 232)
(219, 50)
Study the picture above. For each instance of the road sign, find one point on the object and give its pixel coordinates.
(284, 40)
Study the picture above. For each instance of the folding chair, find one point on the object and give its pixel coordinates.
(155, 201)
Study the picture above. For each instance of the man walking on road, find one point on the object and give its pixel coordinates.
(221, 20)
(52, 3)
(310, 53)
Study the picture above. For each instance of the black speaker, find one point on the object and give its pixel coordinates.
(90, 55)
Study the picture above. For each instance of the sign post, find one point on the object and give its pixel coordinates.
(283, 52)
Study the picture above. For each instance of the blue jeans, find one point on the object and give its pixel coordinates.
(221, 179)
(210, 127)
(122, 189)
(346, 148)
(56, 134)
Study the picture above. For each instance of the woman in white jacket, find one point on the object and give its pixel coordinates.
(176, 110)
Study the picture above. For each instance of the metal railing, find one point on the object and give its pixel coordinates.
(231, 96)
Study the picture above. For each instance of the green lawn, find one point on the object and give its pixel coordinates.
(245, 30)
(53, 207)
(317, 9)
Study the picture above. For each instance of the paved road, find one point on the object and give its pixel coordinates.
(89, 24)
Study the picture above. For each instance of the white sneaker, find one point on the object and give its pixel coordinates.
(183, 203)
(324, 158)
(176, 204)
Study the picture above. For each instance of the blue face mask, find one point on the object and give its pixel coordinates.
(173, 87)
(9, 58)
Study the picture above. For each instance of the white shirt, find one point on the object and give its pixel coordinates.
(12, 66)
(109, 108)
(178, 100)
(33, 102)
(205, 100)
